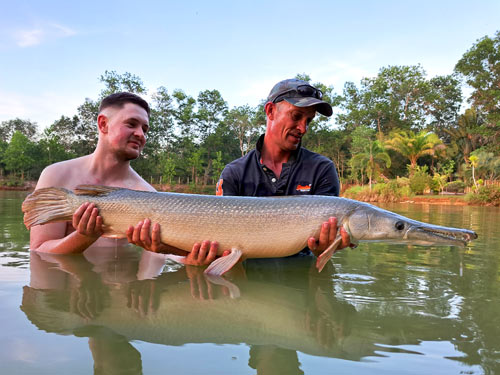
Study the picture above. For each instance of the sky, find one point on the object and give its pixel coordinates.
(52, 53)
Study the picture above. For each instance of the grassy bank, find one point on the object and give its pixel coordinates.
(393, 191)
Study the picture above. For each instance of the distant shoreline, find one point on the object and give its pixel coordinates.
(445, 200)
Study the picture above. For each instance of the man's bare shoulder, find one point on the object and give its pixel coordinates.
(138, 183)
(67, 173)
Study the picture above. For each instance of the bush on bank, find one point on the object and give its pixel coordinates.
(455, 187)
(392, 191)
(485, 195)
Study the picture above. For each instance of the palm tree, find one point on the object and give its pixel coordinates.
(466, 133)
(371, 160)
(474, 163)
(413, 146)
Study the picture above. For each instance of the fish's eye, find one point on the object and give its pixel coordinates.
(400, 225)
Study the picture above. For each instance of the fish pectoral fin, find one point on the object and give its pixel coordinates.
(325, 256)
(220, 266)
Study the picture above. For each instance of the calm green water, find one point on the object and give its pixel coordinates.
(378, 309)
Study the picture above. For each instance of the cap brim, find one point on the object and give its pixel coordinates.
(322, 107)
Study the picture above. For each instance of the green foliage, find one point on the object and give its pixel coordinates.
(244, 122)
(3, 147)
(420, 180)
(486, 164)
(9, 127)
(211, 110)
(169, 165)
(480, 68)
(392, 191)
(413, 145)
(217, 165)
(12, 181)
(115, 82)
(400, 98)
(354, 191)
(17, 156)
(486, 195)
(455, 187)
(372, 159)
(85, 130)
(438, 182)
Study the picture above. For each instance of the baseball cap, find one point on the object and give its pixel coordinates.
(301, 94)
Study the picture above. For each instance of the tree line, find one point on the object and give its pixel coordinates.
(398, 124)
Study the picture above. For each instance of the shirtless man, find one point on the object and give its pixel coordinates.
(123, 123)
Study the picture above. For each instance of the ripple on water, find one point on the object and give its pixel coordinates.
(353, 278)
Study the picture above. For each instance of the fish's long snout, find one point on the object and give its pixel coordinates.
(442, 235)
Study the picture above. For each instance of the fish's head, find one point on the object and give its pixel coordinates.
(372, 224)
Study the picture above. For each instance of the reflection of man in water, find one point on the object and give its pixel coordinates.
(73, 286)
(67, 294)
(81, 294)
(326, 318)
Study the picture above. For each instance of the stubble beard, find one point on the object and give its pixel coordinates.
(127, 156)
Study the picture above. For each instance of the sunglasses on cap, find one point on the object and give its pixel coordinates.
(304, 91)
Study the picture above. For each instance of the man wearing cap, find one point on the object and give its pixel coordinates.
(279, 165)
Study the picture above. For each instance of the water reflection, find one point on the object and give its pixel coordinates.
(116, 296)
(102, 297)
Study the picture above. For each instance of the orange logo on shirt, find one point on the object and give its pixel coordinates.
(304, 189)
(218, 190)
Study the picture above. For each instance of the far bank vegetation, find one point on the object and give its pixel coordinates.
(395, 136)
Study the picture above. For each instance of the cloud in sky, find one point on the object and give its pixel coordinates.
(36, 35)
(43, 108)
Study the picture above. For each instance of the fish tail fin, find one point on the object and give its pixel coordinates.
(95, 190)
(220, 266)
(47, 205)
(325, 256)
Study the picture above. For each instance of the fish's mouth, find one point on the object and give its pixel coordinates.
(441, 236)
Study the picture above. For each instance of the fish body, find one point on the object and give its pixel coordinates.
(253, 227)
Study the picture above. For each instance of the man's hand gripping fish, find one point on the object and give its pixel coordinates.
(252, 227)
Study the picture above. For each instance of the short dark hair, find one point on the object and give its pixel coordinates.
(119, 99)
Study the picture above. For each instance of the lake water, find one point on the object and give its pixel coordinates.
(377, 309)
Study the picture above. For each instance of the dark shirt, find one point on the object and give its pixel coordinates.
(305, 173)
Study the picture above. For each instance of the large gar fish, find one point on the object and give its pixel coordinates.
(252, 227)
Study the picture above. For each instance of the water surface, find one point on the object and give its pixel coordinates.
(377, 309)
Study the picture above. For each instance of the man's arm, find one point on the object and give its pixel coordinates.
(54, 237)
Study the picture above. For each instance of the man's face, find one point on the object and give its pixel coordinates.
(289, 124)
(127, 128)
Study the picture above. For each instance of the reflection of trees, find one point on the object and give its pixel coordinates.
(417, 293)
(13, 234)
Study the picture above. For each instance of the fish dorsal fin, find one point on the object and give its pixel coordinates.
(94, 190)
